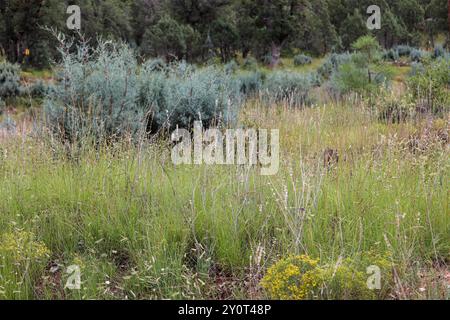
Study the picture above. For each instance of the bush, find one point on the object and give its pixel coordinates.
(344, 282)
(417, 55)
(96, 94)
(183, 95)
(106, 94)
(23, 259)
(8, 123)
(438, 52)
(250, 63)
(429, 86)
(393, 109)
(293, 278)
(231, 67)
(301, 59)
(301, 277)
(156, 65)
(332, 63)
(391, 55)
(416, 68)
(250, 83)
(288, 87)
(2, 105)
(9, 79)
(350, 78)
(404, 50)
(38, 89)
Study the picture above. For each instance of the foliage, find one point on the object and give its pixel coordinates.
(231, 67)
(250, 63)
(22, 260)
(250, 83)
(106, 94)
(391, 54)
(184, 94)
(429, 86)
(417, 55)
(195, 30)
(293, 278)
(168, 39)
(289, 87)
(438, 52)
(404, 50)
(9, 79)
(394, 109)
(96, 94)
(301, 59)
(304, 278)
(332, 63)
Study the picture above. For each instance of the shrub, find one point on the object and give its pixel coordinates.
(416, 68)
(183, 95)
(250, 63)
(289, 87)
(293, 278)
(231, 67)
(301, 59)
(391, 55)
(23, 258)
(2, 105)
(38, 89)
(393, 109)
(8, 123)
(417, 55)
(429, 87)
(301, 277)
(9, 79)
(438, 52)
(106, 94)
(21, 247)
(250, 83)
(96, 94)
(156, 65)
(344, 282)
(168, 38)
(267, 59)
(404, 50)
(332, 63)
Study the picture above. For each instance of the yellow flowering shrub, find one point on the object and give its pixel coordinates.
(302, 277)
(22, 261)
(345, 282)
(385, 262)
(20, 246)
(293, 278)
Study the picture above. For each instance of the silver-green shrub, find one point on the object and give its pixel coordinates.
(96, 94)
(9, 79)
(333, 62)
(250, 83)
(301, 59)
(289, 87)
(104, 93)
(182, 94)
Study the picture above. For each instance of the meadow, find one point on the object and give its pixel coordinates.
(354, 189)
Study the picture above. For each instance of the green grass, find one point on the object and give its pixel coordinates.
(139, 227)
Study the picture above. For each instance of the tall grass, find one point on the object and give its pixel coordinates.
(139, 227)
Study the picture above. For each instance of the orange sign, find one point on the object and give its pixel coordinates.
(27, 52)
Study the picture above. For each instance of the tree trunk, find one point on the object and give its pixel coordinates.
(448, 34)
(276, 54)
